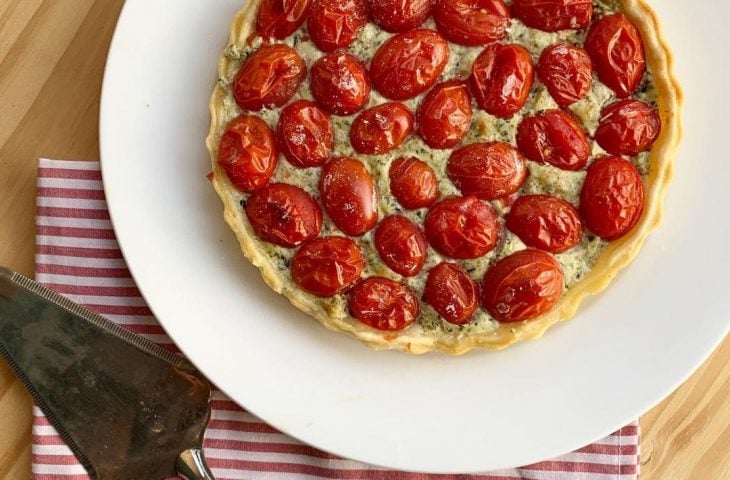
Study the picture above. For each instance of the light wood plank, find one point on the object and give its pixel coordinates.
(52, 55)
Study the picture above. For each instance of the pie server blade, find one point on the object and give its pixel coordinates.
(127, 408)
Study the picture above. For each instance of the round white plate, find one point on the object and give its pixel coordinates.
(623, 352)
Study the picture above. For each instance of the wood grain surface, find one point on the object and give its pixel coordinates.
(52, 56)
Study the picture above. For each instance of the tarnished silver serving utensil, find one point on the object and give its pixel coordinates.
(127, 408)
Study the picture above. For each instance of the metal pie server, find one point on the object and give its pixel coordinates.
(127, 408)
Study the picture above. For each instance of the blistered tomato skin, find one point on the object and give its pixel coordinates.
(284, 215)
(348, 193)
(409, 63)
(413, 183)
(628, 127)
(545, 222)
(617, 52)
(612, 198)
(487, 170)
(501, 79)
(335, 24)
(444, 117)
(305, 134)
(567, 72)
(327, 266)
(452, 293)
(462, 227)
(554, 15)
(399, 15)
(383, 304)
(554, 137)
(381, 129)
(472, 22)
(248, 153)
(340, 83)
(281, 18)
(401, 245)
(522, 286)
(269, 77)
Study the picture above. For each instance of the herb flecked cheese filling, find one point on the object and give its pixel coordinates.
(542, 179)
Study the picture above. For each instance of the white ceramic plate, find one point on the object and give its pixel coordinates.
(623, 352)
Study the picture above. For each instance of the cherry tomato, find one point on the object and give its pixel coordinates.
(545, 222)
(501, 79)
(348, 193)
(281, 18)
(381, 129)
(399, 15)
(327, 266)
(452, 293)
(269, 77)
(444, 117)
(335, 24)
(617, 51)
(248, 153)
(413, 183)
(522, 286)
(472, 22)
(401, 245)
(409, 63)
(383, 304)
(487, 170)
(554, 137)
(284, 215)
(340, 83)
(554, 15)
(462, 227)
(305, 134)
(566, 71)
(628, 127)
(612, 198)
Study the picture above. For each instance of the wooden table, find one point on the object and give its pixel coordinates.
(52, 57)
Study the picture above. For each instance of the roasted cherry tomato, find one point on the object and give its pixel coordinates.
(348, 193)
(522, 286)
(444, 117)
(612, 198)
(554, 15)
(487, 170)
(284, 215)
(327, 266)
(399, 15)
(269, 77)
(334, 24)
(472, 22)
(566, 71)
(501, 79)
(305, 134)
(248, 153)
(452, 293)
(281, 18)
(381, 129)
(545, 222)
(340, 83)
(409, 63)
(413, 183)
(617, 51)
(554, 137)
(462, 227)
(628, 127)
(383, 304)
(401, 245)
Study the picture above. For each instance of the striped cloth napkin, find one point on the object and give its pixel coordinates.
(78, 256)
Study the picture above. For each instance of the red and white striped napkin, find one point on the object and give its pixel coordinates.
(78, 256)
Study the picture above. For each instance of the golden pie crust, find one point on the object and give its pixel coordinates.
(613, 258)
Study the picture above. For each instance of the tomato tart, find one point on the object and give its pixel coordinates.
(443, 174)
